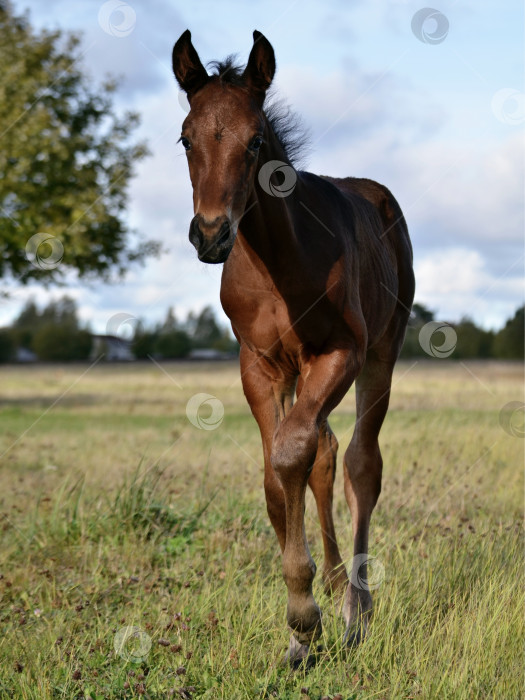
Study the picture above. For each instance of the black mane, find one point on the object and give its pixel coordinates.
(286, 124)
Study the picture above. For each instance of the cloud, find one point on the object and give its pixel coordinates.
(414, 117)
(456, 282)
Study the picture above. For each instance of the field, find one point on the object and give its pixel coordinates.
(118, 513)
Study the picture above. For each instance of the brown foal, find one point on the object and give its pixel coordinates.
(317, 283)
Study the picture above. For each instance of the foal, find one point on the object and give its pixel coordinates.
(317, 283)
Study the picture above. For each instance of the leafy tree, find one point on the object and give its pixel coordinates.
(65, 161)
(509, 343)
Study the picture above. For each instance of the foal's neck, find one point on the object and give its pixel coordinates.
(267, 224)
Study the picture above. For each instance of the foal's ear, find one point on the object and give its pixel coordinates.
(189, 71)
(260, 68)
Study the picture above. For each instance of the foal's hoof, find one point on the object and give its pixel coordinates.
(300, 655)
(353, 637)
(355, 633)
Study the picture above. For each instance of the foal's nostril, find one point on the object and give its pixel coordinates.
(224, 233)
(195, 233)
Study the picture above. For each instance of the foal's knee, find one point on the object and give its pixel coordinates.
(298, 573)
(294, 449)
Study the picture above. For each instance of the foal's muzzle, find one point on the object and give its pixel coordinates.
(213, 240)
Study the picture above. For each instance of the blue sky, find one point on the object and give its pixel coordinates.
(430, 121)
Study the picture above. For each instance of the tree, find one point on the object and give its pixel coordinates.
(29, 316)
(7, 345)
(143, 345)
(65, 161)
(509, 342)
(63, 311)
(59, 342)
(173, 344)
(172, 340)
(54, 333)
(25, 325)
(170, 322)
(205, 329)
(472, 342)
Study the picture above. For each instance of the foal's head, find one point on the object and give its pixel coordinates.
(222, 135)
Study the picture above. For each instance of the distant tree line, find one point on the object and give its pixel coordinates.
(176, 339)
(471, 341)
(55, 333)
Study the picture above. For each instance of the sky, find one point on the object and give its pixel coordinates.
(428, 101)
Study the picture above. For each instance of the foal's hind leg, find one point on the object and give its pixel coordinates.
(363, 468)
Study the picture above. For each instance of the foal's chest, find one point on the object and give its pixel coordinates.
(261, 320)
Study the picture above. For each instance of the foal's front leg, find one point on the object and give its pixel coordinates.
(293, 454)
(270, 395)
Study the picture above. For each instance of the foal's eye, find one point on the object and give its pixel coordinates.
(256, 143)
(185, 143)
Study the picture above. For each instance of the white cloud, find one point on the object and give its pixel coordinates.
(455, 282)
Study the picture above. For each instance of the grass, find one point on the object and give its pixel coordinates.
(117, 514)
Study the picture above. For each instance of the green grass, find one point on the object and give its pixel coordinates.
(117, 512)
